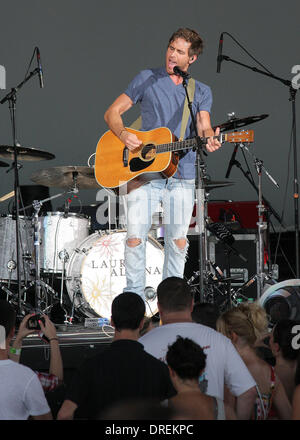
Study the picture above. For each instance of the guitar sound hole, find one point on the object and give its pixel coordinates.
(148, 151)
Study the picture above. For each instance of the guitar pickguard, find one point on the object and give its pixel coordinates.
(136, 164)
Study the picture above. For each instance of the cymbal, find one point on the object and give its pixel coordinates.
(3, 164)
(211, 184)
(25, 153)
(234, 124)
(82, 177)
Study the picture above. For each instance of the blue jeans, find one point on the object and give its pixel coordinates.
(177, 198)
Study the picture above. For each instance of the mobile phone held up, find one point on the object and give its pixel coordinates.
(33, 322)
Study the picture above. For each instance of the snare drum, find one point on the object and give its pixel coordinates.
(60, 234)
(96, 270)
(8, 254)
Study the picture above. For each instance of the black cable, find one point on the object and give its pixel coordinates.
(248, 53)
(30, 62)
(285, 198)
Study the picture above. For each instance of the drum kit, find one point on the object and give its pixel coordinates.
(87, 266)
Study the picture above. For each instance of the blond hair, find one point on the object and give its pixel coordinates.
(248, 321)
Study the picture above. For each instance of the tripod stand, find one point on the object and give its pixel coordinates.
(38, 282)
(262, 276)
(11, 98)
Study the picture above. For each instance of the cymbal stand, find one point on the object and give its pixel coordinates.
(11, 97)
(64, 257)
(262, 276)
(37, 242)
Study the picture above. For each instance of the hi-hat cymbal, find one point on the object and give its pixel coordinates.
(3, 164)
(212, 184)
(82, 177)
(25, 153)
(234, 124)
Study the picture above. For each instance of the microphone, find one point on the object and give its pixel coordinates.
(220, 57)
(41, 76)
(181, 73)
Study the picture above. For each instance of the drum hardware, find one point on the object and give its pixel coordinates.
(16, 153)
(64, 257)
(80, 177)
(236, 123)
(38, 282)
(12, 298)
(76, 293)
(150, 293)
(24, 153)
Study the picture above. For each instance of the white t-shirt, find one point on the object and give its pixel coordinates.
(223, 363)
(21, 393)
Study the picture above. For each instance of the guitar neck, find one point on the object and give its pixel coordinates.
(186, 144)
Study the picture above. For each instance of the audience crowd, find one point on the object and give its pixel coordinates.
(188, 362)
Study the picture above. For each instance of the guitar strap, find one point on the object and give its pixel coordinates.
(186, 113)
(137, 124)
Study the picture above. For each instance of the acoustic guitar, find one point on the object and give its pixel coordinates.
(121, 170)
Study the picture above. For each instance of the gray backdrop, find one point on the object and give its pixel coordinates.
(91, 49)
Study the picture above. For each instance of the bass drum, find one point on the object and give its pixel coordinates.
(96, 272)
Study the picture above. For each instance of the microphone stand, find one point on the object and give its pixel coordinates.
(11, 97)
(262, 226)
(200, 196)
(292, 98)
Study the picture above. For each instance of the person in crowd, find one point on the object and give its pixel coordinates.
(142, 409)
(224, 364)
(54, 377)
(123, 371)
(186, 361)
(281, 344)
(237, 325)
(206, 314)
(296, 394)
(21, 393)
(258, 316)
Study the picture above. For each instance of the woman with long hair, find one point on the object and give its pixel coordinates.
(240, 325)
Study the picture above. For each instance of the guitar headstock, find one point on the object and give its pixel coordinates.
(244, 136)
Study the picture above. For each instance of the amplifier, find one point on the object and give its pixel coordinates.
(240, 216)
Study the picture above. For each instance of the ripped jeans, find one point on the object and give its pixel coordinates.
(177, 197)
